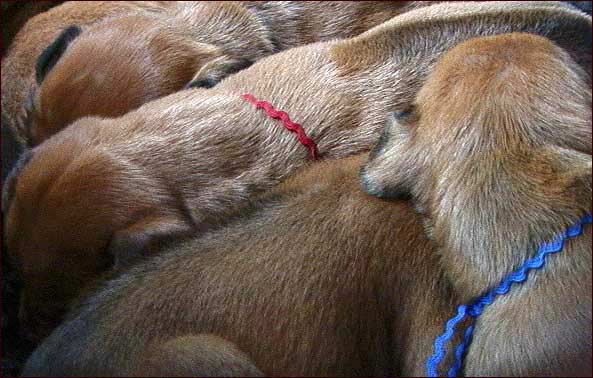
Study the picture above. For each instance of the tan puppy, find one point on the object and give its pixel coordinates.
(110, 190)
(18, 66)
(317, 279)
(118, 64)
(497, 155)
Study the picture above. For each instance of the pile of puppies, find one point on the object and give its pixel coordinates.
(165, 222)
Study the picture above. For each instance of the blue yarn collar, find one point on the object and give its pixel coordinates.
(474, 309)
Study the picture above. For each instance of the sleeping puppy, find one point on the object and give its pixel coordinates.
(18, 66)
(315, 279)
(496, 153)
(106, 191)
(116, 65)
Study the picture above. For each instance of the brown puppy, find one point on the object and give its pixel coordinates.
(18, 66)
(320, 280)
(497, 155)
(111, 190)
(317, 279)
(118, 64)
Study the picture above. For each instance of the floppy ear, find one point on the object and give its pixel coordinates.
(144, 238)
(576, 170)
(217, 69)
(568, 175)
(52, 53)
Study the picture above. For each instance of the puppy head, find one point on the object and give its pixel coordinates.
(500, 131)
(72, 212)
(113, 67)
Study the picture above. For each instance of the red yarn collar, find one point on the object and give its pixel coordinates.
(288, 124)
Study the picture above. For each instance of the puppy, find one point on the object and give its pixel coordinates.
(107, 191)
(496, 153)
(315, 279)
(18, 66)
(114, 66)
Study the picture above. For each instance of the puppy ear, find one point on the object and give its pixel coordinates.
(576, 168)
(144, 238)
(217, 69)
(568, 173)
(52, 53)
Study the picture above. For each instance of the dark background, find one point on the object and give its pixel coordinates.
(14, 351)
